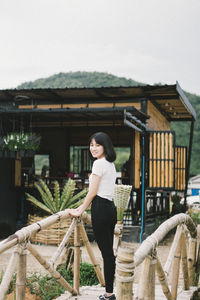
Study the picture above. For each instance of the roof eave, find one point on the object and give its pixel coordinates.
(185, 101)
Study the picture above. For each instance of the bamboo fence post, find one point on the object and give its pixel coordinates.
(117, 236)
(48, 267)
(173, 249)
(184, 263)
(150, 288)
(21, 275)
(198, 268)
(63, 243)
(9, 272)
(143, 279)
(198, 256)
(191, 260)
(91, 255)
(197, 250)
(163, 280)
(175, 270)
(77, 254)
(125, 272)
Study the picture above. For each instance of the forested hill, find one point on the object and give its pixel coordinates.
(182, 130)
(79, 80)
(97, 79)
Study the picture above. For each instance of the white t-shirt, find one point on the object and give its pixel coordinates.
(106, 170)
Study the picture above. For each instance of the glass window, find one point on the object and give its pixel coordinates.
(42, 165)
(80, 161)
(123, 154)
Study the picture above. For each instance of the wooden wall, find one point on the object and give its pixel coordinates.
(137, 161)
(180, 168)
(82, 105)
(161, 160)
(157, 121)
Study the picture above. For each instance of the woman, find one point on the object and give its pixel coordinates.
(103, 211)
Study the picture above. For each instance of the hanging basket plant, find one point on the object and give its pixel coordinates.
(24, 143)
(29, 142)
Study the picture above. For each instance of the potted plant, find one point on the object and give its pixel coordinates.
(52, 202)
(22, 143)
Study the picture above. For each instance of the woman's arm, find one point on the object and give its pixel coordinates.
(93, 188)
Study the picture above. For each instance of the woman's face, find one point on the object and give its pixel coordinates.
(96, 150)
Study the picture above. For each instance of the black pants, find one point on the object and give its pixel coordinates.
(104, 218)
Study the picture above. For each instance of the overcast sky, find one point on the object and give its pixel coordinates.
(147, 40)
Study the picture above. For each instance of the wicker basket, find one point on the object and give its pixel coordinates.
(121, 197)
(54, 234)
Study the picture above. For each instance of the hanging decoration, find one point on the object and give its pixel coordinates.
(24, 143)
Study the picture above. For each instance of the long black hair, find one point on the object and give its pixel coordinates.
(104, 140)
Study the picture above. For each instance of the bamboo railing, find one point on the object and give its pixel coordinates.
(184, 250)
(20, 242)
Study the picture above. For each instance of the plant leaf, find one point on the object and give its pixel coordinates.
(45, 197)
(49, 194)
(78, 197)
(57, 195)
(37, 203)
(68, 192)
(77, 203)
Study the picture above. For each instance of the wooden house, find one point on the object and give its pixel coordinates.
(137, 118)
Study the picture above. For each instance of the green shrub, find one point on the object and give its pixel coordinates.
(195, 215)
(44, 286)
(47, 287)
(87, 275)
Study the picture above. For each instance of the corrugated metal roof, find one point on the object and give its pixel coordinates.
(169, 99)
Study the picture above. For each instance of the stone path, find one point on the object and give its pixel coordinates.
(92, 293)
